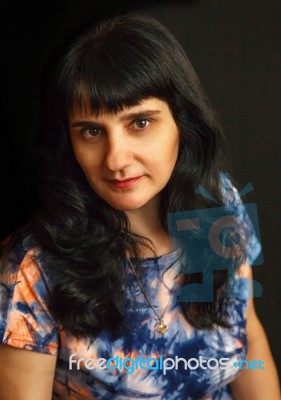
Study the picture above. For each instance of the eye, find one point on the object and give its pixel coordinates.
(91, 131)
(141, 123)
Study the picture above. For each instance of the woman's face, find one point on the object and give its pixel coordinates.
(127, 157)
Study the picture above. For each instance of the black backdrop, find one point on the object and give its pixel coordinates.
(235, 47)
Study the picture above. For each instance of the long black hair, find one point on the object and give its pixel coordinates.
(115, 61)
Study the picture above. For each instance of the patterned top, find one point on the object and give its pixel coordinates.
(184, 363)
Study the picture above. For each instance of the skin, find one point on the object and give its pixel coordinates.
(25, 374)
(256, 384)
(139, 141)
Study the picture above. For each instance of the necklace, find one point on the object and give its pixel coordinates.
(160, 324)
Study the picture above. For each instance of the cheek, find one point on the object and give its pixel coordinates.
(87, 161)
(172, 149)
(166, 145)
(165, 159)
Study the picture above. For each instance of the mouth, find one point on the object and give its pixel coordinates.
(124, 183)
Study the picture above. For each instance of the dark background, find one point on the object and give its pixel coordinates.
(235, 46)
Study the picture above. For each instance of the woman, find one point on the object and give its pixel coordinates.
(92, 304)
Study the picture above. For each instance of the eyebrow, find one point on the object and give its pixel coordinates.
(139, 114)
(126, 117)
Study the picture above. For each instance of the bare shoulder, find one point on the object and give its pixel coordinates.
(263, 382)
(25, 374)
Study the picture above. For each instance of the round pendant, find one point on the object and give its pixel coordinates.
(162, 328)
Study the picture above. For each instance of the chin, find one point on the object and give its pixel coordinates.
(129, 205)
(125, 207)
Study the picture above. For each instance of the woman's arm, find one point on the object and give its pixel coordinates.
(25, 374)
(258, 384)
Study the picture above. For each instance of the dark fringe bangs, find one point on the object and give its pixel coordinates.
(108, 82)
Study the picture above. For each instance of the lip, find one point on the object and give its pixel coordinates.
(124, 183)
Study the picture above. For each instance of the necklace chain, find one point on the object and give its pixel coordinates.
(161, 326)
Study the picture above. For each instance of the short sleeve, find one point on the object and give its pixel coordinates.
(25, 321)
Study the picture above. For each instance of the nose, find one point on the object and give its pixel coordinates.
(118, 155)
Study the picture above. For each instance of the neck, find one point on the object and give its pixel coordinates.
(145, 222)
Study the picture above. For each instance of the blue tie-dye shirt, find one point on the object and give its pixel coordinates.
(25, 322)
